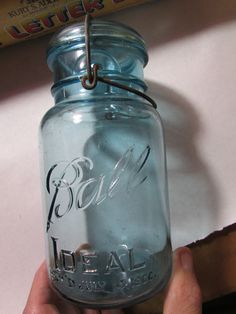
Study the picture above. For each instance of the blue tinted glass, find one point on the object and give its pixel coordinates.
(104, 174)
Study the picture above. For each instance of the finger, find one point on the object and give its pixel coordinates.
(117, 311)
(40, 292)
(90, 311)
(66, 307)
(43, 309)
(183, 294)
(43, 299)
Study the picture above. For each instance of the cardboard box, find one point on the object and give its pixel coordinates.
(25, 19)
(215, 266)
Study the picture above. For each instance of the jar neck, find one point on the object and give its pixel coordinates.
(73, 90)
(119, 64)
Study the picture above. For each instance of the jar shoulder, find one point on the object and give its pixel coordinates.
(76, 112)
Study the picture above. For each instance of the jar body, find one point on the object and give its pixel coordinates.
(105, 195)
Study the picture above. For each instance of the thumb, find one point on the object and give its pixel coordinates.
(183, 295)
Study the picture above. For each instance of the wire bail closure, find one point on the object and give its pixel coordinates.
(89, 81)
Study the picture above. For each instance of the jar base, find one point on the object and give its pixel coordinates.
(137, 289)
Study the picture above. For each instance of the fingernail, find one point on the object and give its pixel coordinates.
(186, 260)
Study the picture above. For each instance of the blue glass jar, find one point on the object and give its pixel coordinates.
(104, 173)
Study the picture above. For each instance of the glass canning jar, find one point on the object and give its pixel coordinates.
(104, 173)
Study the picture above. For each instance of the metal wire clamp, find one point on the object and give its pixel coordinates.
(89, 81)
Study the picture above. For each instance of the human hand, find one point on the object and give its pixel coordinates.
(44, 300)
(183, 295)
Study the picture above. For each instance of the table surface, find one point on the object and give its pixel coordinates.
(191, 73)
